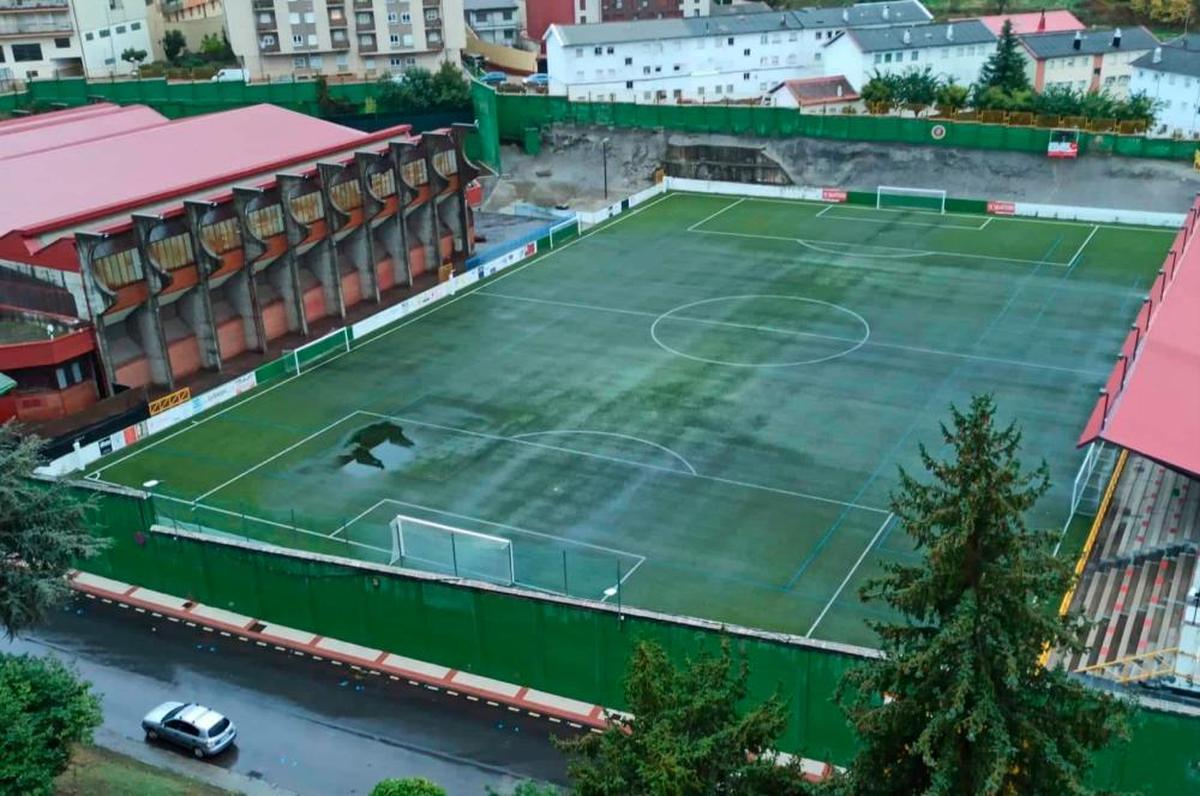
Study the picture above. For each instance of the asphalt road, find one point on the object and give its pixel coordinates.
(304, 726)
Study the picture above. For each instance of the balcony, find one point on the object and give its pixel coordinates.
(367, 4)
(265, 21)
(337, 19)
(367, 44)
(264, 5)
(365, 19)
(340, 40)
(268, 44)
(432, 4)
(33, 5)
(17, 26)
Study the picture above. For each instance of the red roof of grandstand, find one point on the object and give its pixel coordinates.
(92, 179)
(1157, 410)
(1034, 22)
(24, 136)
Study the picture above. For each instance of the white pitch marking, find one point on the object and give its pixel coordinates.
(870, 546)
(630, 437)
(625, 577)
(1082, 246)
(708, 218)
(823, 212)
(272, 458)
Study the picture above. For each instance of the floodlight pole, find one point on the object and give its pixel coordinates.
(604, 152)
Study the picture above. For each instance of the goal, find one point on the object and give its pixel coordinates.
(309, 355)
(892, 196)
(432, 546)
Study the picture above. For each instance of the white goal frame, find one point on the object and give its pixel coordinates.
(332, 348)
(899, 190)
(399, 550)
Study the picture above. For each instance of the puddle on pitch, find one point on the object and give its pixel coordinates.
(379, 447)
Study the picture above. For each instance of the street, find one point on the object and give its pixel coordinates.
(305, 726)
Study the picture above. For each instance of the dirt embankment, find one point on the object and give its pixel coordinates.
(569, 171)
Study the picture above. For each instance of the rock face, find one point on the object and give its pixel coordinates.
(569, 170)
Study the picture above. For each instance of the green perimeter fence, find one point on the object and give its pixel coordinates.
(569, 648)
(515, 113)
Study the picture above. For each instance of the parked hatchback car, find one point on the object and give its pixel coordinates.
(538, 80)
(205, 732)
(494, 78)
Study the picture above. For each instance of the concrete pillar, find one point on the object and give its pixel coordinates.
(243, 291)
(368, 164)
(405, 194)
(207, 261)
(147, 318)
(421, 218)
(350, 241)
(98, 297)
(317, 256)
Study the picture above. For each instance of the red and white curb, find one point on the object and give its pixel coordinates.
(453, 682)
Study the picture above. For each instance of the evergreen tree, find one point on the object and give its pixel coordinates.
(1005, 68)
(43, 533)
(687, 735)
(966, 707)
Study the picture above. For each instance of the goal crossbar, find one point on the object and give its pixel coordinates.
(463, 551)
(919, 198)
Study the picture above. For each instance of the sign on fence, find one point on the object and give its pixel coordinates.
(1001, 208)
(833, 195)
(170, 400)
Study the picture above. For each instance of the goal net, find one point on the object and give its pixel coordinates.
(309, 355)
(891, 196)
(432, 546)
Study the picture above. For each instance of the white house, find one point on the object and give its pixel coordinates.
(494, 21)
(706, 59)
(108, 29)
(816, 95)
(1170, 74)
(951, 50)
(1092, 60)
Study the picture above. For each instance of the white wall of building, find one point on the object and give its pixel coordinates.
(106, 29)
(960, 62)
(703, 68)
(37, 44)
(1178, 97)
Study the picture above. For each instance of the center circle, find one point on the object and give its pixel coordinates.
(822, 314)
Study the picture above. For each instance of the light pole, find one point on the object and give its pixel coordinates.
(604, 155)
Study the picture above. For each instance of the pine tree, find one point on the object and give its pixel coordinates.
(687, 735)
(966, 707)
(1005, 68)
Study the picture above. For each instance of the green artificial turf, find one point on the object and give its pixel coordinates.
(707, 398)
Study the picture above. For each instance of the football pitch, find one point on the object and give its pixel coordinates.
(705, 399)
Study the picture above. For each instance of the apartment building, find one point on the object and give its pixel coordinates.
(107, 28)
(195, 19)
(278, 39)
(729, 56)
(951, 50)
(1170, 75)
(38, 39)
(1091, 60)
(494, 21)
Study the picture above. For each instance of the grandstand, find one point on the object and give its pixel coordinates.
(1139, 576)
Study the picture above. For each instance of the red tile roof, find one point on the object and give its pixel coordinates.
(29, 134)
(1034, 22)
(819, 90)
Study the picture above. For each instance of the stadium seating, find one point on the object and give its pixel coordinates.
(1137, 577)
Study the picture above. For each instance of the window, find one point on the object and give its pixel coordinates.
(120, 28)
(913, 56)
(393, 17)
(729, 41)
(746, 51)
(294, 18)
(597, 51)
(406, 19)
(300, 61)
(675, 68)
(394, 38)
(700, 91)
(629, 62)
(677, 93)
(507, 16)
(105, 33)
(762, 39)
(608, 50)
(109, 61)
(89, 36)
(645, 70)
(369, 63)
(297, 40)
(395, 60)
(310, 18)
(62, 43)
(718, 89)
(312, 40)
(745, 75)
(628, 84)
(135, 26)
(407, 40)
(657, 69)
(315, 61)
(878, 58)
(887, 58)
(728, 88)
(816, 56)
(774, 60)
(27, 52)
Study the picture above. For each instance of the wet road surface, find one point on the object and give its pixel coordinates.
(303, 725)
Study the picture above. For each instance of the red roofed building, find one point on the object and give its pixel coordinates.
(1034, 22)
(193, 249)
(832, 94)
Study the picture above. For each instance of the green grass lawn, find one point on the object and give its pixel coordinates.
(99, 772)
(706, 400)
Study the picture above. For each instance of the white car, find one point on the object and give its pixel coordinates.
(229, 76)
(205, 732)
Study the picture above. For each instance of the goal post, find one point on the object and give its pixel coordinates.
(309, 355)
(899, 197)
(434, 546)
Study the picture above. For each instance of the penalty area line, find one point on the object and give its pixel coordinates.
(862, 557)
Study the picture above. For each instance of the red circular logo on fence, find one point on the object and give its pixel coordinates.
(938, 132)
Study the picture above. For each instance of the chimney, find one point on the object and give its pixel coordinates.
(1158, 55)
(949, 32)
(886, 13)
(1042, 21)
(1117, 37)
(839, 89)
(907, 36)
(845, 15)
(1078, 43)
